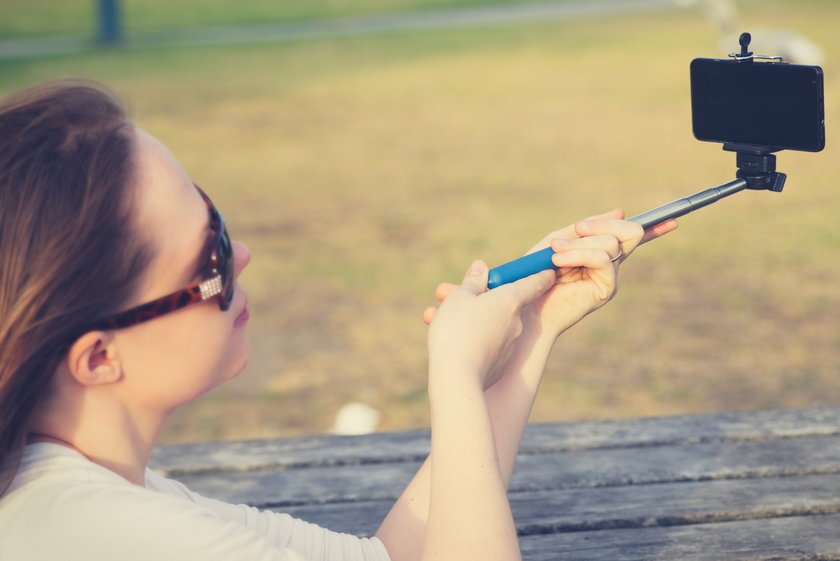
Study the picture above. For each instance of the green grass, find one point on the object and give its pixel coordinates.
(23, 18)
(361, 172)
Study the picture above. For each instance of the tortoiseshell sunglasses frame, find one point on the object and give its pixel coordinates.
(219, 284)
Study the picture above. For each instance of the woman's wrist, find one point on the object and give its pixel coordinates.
(450, 381)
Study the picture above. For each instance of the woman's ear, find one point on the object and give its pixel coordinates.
(93, 359)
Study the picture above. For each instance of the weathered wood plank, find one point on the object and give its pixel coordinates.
(743, 486)
(285, 453)
(668, 504)
(636, 506)
(316, 485)
(356, 518)
(683, 462)
(749, 425)
(608, 467)
(798, 538)
(414, 445)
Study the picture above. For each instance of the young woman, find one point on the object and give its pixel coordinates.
(119, 302)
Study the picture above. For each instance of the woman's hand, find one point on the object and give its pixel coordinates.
(474, 327)
(457, 503)
(588, 254)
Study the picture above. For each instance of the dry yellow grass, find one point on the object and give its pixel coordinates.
(362, 172)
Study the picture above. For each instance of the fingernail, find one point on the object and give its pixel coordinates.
(475, 269)
(559, 244)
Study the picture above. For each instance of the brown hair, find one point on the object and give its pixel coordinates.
(67, 251)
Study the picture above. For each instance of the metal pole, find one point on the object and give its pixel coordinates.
(541, 260)
(110, 29)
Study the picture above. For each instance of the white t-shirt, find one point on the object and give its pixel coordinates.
(63, 507)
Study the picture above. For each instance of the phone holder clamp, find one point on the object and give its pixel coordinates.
(757, 166)
(748, 56)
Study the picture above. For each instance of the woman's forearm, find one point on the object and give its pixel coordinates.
(469, 514)
(587, 255)
(508, 405)
(511, 400)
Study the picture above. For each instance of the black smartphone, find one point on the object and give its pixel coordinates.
(767, 104)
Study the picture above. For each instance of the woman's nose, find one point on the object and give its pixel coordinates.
(241, 257)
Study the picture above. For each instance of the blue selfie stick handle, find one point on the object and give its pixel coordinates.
(541, 260)
(520, 268)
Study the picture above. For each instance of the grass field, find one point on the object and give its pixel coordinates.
(25, 18)
(361, 172)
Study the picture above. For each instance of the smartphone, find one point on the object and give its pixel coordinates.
(767, 104)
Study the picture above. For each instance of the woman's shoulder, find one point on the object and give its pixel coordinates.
(52, 485)
(60, 497)
(49, 475)
(44, 464)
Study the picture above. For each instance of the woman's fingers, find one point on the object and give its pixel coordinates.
(659, 230)
(588, 257)
(474, 327)
(527, 289)
(444, 289)
(615, 214)
(628, 234)
(588, 267)
(524, 291)
(598, 224)
(608, 237)
(475, 279)
(569, 231)
(605, 242)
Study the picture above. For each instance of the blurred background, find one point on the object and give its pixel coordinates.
(366, 150)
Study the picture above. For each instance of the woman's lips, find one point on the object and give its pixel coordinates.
(243, 316)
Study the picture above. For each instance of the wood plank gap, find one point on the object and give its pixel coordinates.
(283, 465)
(642, 444)
(274, 505)
(659, 481)
(289, 465)
(672, 520)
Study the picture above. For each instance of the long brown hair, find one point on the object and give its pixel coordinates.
(68, 254)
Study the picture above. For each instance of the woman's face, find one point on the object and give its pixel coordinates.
(176, 357)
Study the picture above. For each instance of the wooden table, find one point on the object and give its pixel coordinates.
(757, 485)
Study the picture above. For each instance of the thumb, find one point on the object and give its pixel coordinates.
(531, 287)
(475, 281)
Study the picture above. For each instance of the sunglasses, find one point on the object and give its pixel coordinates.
(217, 272)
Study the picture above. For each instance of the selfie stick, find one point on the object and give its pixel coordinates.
(756, 170)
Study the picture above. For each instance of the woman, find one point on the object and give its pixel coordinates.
(119, 302)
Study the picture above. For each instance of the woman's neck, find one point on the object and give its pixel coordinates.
(35, 437)
(119, 444)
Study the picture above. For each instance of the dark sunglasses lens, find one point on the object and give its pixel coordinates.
(226, 269)
(224, 253)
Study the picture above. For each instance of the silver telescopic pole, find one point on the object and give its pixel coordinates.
(688, 204)
(541, 260)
